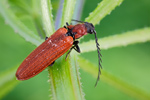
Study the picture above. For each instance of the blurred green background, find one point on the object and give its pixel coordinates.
(130, 63)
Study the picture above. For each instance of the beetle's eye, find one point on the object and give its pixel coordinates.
(90, 31)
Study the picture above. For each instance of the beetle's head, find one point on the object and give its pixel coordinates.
(90, 28)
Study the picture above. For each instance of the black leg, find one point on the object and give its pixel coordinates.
(52, 63)
(65, 27)
(69, 52)
(67, 24)
(46, 38)
(75, 47)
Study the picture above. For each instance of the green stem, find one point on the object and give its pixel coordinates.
(124, 39)
(104, 8)
(121, 85)
(63, 75)
(65, 80)
(47, 17)
(68, 9)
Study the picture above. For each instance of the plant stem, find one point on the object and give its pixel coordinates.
(114, 81)
(124, 39)
(104, 8)
(68, 9)
(47, 17)
(65, 81)
(63, 75)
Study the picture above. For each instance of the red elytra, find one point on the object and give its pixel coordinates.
(54, 47)
(45, 54)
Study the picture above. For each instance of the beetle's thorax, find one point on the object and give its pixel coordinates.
(79, 30)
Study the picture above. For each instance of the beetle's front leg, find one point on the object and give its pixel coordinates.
(75, 47)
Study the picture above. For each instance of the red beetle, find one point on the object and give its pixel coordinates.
(54, 47)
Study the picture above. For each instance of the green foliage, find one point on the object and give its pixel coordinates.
(64, 77)
(67, 13)
(124, 39)
(104, 8)
(123, 86)
(17, 25)
(47, 17)
(7, 81)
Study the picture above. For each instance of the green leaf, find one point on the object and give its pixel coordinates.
(17, 25)
(124, 39)
(47, 17)
(121, 85)
(104, 8)
(7, 81)
(68, 9)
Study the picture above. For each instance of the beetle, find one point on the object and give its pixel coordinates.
(56, 45)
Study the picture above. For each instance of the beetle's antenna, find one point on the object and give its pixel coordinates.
(99, 57)
(78, 21)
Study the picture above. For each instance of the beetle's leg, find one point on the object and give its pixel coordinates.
(75, 47)
(65, 27)
(69, 52)
(67, 24)
(46, 38)
(52, 63)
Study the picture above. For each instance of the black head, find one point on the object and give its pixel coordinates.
(91, 29)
